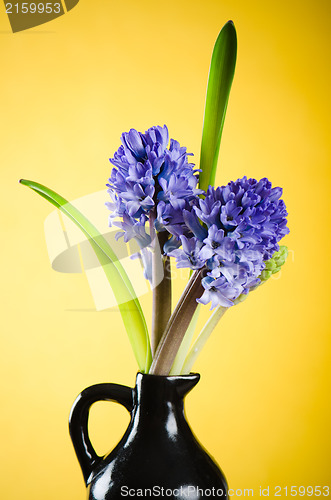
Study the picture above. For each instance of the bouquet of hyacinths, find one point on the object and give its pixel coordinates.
(227, 236)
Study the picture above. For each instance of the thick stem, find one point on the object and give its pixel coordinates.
(202, 338)
(184, 348)
(177, 326)
(161, 290)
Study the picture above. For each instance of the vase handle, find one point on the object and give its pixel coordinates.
(78, 420)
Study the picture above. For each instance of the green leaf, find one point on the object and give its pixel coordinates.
(221, 74)
(128, 303)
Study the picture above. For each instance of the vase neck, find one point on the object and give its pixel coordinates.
(161, 395)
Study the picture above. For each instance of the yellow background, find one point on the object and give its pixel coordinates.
(68, 89)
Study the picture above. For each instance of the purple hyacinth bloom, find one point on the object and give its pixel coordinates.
(217, 244)
(133, 228)
(189, 254)
(219, 292)
(230, 214)
(236, 228)
(151, 179)
(249, 211)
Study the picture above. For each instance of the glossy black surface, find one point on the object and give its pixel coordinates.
(158, 450)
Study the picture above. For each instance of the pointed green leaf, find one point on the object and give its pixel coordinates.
(128, 303)
(221, 74)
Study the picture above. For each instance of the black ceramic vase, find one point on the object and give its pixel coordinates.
(158, 456)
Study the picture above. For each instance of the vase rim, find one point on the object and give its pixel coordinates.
(192, 375)
(180, 384)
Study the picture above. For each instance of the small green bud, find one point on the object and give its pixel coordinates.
(265, 275)
(273, 265)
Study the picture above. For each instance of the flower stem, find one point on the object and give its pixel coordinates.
(182, 353)
(161, 290)
(202, 338)
(177, 326)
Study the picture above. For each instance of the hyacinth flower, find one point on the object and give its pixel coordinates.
(234, 230)
(228, 237)
(151, 184)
